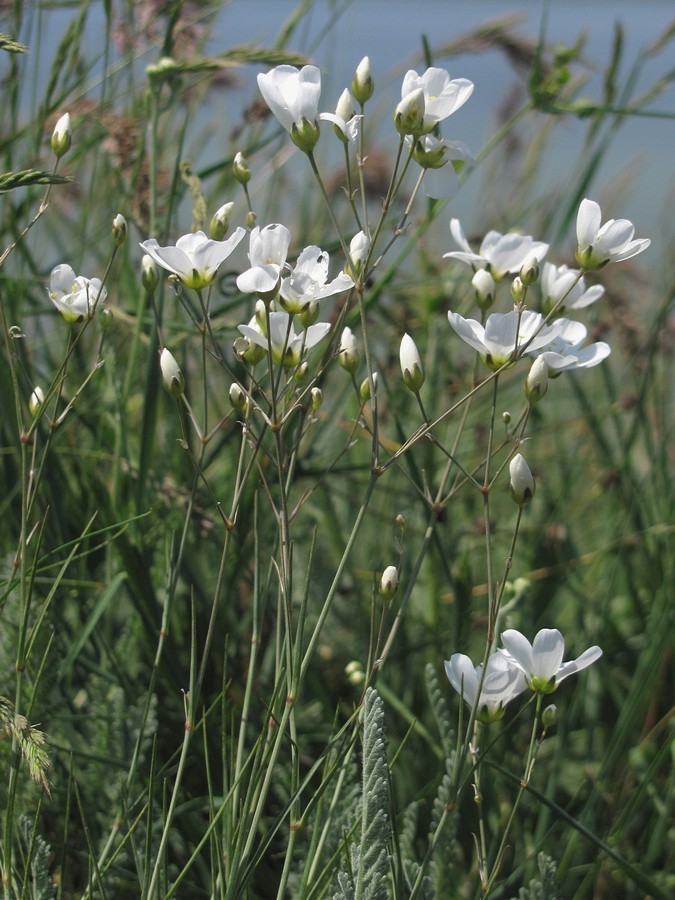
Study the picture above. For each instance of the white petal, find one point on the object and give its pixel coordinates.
(548, 649)
(518, 650)
(581, 662)
(588, 222)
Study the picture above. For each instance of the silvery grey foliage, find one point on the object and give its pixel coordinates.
(546, 888)
(366, 878)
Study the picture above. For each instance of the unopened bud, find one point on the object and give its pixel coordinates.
(317, 398)
(365, 391)
(354, 672)
(359, 248)
(61, 138)
(348, 354)
(522, 482)
(149, 274)
(411, 364)
(238, 399)
(388, 583)
(172, 377)
(301, 371)
(220, 222)
(518, 289)
(362, 83)
(37, 399)
(529, 271)
(549, 715)
(536, 383)
(240, 168)
(106, 318)
(506, 417)
(309, 313)
(345, 111)
(250, 219)
(484, 286)
(119, 230)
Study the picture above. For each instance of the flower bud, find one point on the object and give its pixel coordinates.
(536, 383)
(37, 398)
(362, 83)
(522, 482)
(529, 271)
(409, 114)
(238, 399)
(359, 248)
(221, 222)
(172, 377)
(506, 417)
(354, 672)
(61, 137)
(149, 274)
(305, 134)
(345, 111)
(411, 364)
(119, 230)
(400, 521)
(106, 318)
(302, 371)
(484, 286)
(348, 354)
(240, 168)
(309, 313)
(250, 219)
(317, 398)
(388, 583)
(365, 391)
(518, 289)
(549, 715)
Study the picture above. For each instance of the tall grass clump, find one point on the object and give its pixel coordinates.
(334, 564)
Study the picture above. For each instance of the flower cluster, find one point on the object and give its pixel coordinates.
(514, 668)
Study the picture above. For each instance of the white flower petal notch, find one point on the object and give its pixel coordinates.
(500, 254)
(76, 297)
(542, 661)
(195, 258)
(502, 683)
(599, 244)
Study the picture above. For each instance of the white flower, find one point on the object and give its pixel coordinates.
(503, 334)
(541, 662)
(286, 346)
(502, 683)
(75, 296)
(195, 258)
(567, 350)
(612, 242)
(521, 481)
(500, 253)
(307, 282)
(268, 248)
(440, 96)
(293, 98)
(558, 282)
(411, 364)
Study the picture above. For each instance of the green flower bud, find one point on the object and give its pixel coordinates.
(149, 274)
(172, 377)
(484, 286)
(521, 481)
(529, 271)
(317, 398)
(220, 222)
(348, 354)
(240, 168)
(518, 289)
(365, 391)
(411, 364)
(37, 399)
(119, 230)
(305, 134)
(549, 715)
(362, 83)
(61, 138)
(536, 383)
(388, 583)
(409, 114)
